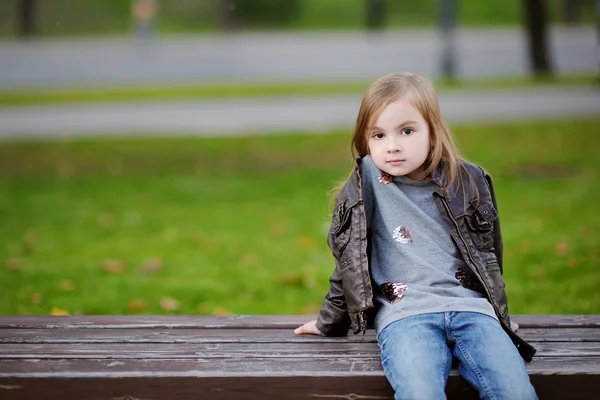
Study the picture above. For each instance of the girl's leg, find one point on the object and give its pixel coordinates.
(415, 357)
(487, 358)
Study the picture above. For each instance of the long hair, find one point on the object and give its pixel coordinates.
(419, 91)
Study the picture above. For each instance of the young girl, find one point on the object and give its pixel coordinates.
(416, 239)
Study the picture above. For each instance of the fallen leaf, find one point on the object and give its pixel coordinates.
(276, 229)
(306, 243)
(137, 305)
(524, 246)
(249, 259)
(66, 169)
(58, 311)
(169, 304)
(292, 279)
(221, 311)
(203, 308)
(311, 309)
(151, 266)
(593, 253)
(113, 266)
(107, 220)
(13, 264)
(67, 285)
(30, 242)
(561, 248)
(36, 298)
(114, 167)
(540, 273)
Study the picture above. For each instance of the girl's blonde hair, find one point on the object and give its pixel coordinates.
(419, 91)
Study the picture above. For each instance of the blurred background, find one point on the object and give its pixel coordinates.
(177, 156)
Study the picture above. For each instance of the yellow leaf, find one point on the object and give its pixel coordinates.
(221, 311)
(169, 304)
(290, 279)
(137, 305)
(58, 311)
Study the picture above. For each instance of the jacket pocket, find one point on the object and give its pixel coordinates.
(481, 226)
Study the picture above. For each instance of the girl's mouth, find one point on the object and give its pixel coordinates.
(396, 162)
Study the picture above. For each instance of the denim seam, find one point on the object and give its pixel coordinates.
(444, 365)
(474, 367)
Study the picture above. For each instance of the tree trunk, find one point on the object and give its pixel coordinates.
(537, 34)
(448, 13)
(26, 11)
(570, 11)
(375, 14)
(226, 14)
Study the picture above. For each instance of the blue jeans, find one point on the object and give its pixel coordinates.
(417, 353)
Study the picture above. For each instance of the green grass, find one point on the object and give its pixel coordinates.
(93, 17)
(18, 97)
(239, 224)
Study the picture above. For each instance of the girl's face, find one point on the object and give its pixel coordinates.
(399, 142)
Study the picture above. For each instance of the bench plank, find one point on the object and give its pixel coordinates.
(239, 321)
(201, 335)
(248, 350)
(258, 366)
(248, 357)
(261, 388)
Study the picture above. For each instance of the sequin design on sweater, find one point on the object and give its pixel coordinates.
(393, 291)
(402, 235)
(385, 178)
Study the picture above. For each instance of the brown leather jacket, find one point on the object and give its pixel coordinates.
(469, 215)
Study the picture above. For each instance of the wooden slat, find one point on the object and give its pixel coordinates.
(228, 335)
(155, 321)
(237, 350)
(254, 357)
(260, 388)
(291, 367)
(239, 321)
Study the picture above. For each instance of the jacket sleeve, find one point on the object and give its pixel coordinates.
(497, 233)
(333, 318)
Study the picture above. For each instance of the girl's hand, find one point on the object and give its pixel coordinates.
(309, 327)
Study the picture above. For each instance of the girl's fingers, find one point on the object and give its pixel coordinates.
(309, 327)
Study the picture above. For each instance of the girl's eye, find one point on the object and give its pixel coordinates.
(378, 135)
(407, 131)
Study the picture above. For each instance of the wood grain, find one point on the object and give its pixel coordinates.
(249, 357)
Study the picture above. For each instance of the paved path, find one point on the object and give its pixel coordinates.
(282, 56)
(272, 115)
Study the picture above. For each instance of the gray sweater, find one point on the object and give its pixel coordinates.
(414, 262)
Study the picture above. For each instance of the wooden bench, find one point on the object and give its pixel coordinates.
(248, 357)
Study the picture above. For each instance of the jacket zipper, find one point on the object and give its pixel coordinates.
(487, 289)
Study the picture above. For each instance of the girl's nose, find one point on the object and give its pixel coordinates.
(394, 148)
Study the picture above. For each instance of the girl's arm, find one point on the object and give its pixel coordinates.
(333, 317)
